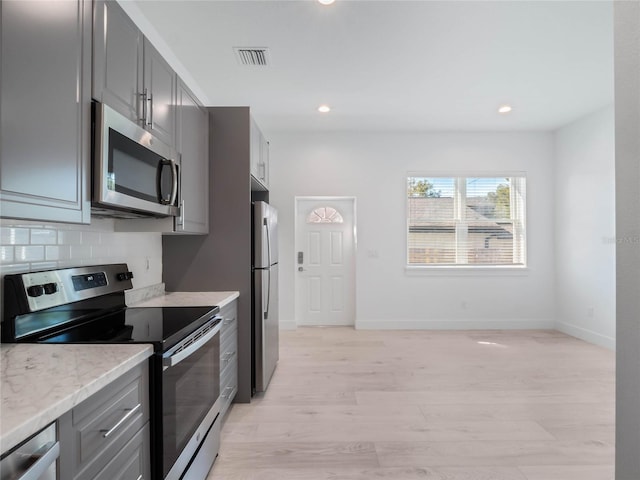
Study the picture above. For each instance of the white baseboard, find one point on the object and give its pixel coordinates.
(587, 335)
(454, 324)
(288, 325)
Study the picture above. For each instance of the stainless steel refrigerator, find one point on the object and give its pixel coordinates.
(265, 331)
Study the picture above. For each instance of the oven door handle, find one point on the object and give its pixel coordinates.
(176, 358)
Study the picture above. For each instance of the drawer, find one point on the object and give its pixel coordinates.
(228, 387)
(103, 424)
(229, 351)
(229, 314)
(132, 462)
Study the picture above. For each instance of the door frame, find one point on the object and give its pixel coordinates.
(297, 281)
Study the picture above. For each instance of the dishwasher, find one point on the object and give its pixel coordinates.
(34, 459)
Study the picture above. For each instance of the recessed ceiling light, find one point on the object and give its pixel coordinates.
(504, 109)
(326, 2)
(324, 109)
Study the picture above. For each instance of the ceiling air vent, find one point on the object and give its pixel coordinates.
(257, 56)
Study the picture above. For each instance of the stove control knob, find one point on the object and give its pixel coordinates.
(124, 276)
(35, 290)
(50, 288)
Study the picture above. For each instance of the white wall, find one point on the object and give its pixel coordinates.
(30, 246)
(585, 228)
(372, 167)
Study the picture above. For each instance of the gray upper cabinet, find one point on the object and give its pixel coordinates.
(259, 166)
(159, 95)
(45, 110)
(130, 75)
(117, 60)
(193, 145)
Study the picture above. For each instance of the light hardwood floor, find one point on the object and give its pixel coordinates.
(349, 404)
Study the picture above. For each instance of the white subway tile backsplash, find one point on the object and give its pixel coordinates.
(57, 252)
(6, 254)
(90, 238)
(36, 266)
(69, 237)
(32, 253)
(41, 236)
(29, 246)
(14, 236)
(80, 252)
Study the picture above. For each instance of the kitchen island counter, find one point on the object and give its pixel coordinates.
(40, 382)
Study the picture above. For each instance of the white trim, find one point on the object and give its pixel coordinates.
(288, 325)
(466, 271)
(587, 335)
(456, 324)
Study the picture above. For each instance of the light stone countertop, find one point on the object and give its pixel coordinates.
(189, 299)
(40, 382)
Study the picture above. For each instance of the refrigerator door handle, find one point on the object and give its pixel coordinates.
(266, 313)
(265, 222)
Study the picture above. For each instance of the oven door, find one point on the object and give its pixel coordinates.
(132, 169)
(190, 397)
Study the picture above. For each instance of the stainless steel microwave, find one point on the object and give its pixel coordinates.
(134, 173)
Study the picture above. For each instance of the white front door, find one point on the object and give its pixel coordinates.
(325, 261)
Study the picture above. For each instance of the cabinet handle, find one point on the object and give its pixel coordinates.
(105, 433)
(180, 221)
(144, 107)
(150, 100)
(140, 478)
(227, 395)
(263, 170)
(228, 320)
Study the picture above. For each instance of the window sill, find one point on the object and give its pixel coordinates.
(446, 270)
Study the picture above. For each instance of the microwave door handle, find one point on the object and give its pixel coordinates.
(174, 181)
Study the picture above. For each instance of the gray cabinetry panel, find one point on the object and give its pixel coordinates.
(45, 110)
(192, 141)
(98, 429)
(117, 59)
(133, 461)
(160, 86)
(228, 355)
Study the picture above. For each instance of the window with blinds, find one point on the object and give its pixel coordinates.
(453, 221)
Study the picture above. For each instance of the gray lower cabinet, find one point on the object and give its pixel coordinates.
(107, 435)
(193, 144)
(130, 75)
(228, 355)
(45, 110)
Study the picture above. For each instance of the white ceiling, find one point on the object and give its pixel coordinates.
(392, 65)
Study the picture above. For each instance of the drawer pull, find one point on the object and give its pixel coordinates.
(227, 321)
(225, 394)
(130, 412)
(228, 355)
(140, 478)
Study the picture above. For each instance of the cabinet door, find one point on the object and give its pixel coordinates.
(259, 152)
(193, 145)
(45, 110)
(117, 60)
(263, 167)
(132, 462)
(160, 86)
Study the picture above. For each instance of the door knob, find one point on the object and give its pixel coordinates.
(300, 269)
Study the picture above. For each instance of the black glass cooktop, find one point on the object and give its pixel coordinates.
(161, 326)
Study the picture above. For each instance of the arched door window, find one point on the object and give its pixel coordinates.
(324, 215)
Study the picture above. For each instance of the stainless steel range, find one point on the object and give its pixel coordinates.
(86, 305)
